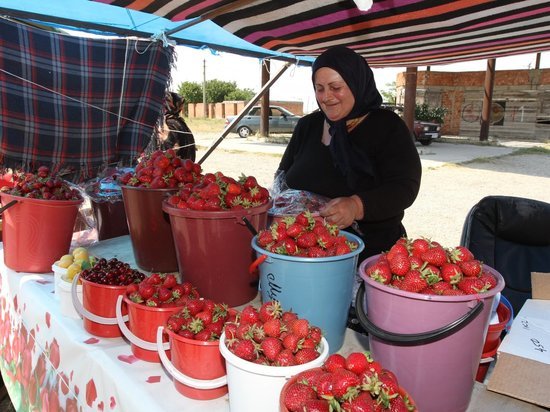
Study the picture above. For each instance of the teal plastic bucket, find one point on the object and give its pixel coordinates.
(317, 289)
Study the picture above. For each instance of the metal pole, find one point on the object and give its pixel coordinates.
(244, 112)
(204, 106)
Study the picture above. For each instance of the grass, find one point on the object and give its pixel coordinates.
(204, 125)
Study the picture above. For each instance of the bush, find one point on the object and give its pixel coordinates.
(430, 114)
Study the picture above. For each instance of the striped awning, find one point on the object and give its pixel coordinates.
(392, 33)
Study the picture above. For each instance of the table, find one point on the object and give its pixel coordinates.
(50, 362)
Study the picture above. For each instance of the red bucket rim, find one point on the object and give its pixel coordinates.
(194, 342)
(48, 202)
(215, 214)
(149, 189)
(129, 302)
(502, 323)
(113, 287)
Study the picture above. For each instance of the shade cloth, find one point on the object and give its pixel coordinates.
(77, 103)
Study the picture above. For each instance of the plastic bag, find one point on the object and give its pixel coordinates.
(289, 202)
(105, 187)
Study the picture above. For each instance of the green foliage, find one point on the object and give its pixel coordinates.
(216, 91)
(191, 92)
(389, 93)
(429, 114)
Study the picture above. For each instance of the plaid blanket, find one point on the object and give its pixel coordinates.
(77, 103)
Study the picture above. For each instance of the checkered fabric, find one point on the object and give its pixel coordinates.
(77, 103)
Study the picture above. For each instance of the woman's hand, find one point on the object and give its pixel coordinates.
(342, 211)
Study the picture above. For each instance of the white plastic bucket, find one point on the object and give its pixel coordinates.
(58, 273)
(64, 294)
(254, 387)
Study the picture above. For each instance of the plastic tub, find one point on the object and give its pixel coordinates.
(213, 250)
(44, 227)
(495, 330)
(197, 367)
(149, 228)
(432, 343)
(66, 300)
(485, 363)
(98, 307)
(58, 273)
(254, 387)
(317, 289)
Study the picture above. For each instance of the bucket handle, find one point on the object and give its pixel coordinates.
(413, 338)
(83, 312)
(143, 344)
(181, 377)
(254, 265)
(249, 226)
(8, 205)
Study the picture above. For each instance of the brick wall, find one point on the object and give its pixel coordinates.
(521, 99)
(231, 108)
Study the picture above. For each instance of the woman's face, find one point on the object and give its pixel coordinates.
(333, 94)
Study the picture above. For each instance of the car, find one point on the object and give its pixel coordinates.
(281, 120)
(424, 132)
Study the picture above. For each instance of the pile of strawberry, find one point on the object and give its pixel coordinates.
(201, 319)
(162, 169)
(424, 266)
(41, 184)
(161, 290)
(215, 192)
(273, 337)
(305, 236)
(352, 383)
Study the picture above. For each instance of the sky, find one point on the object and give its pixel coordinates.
(295, 83)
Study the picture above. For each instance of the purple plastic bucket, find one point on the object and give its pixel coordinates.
(432, 343)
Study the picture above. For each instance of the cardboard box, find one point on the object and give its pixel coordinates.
(522, 369)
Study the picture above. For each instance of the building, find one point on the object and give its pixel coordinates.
(520, 104)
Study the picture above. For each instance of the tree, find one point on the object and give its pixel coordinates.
(217, 90)
(191, 92)
(241, 94)
(389, 94)
(429, 114)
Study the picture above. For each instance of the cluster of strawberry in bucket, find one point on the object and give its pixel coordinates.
(41, 184)
(306, 236)
(273, 337)
(161, 290)
(423, 266)
(216, 191)
(352, 383)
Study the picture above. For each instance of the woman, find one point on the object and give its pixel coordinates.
(360, 156)
(178, 134)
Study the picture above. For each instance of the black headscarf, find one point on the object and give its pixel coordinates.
(357, 74)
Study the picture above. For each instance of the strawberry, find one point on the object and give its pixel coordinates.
(317, 405)
(273, 327)
(265, 238)
(380, 272)
(440, 287)
(400, 264)
(489, 279)
(250, 315)
(452, 292)
(294, 230)
(170, 281)
(460, 254)
(164, 294)
(344, 382)
(419, 246)
(296, 395)
(397, 249)
(357, 362)
(451, 273)
(472, 285)
(316, 334)
(291, 342)
(245, 349)
(300, 327)
(362, 403)
(471, 268)
(305, 355)
(316, 252)
(413, 281)
(436, 256)
(306, 240)
(285, 358)
(271, 348)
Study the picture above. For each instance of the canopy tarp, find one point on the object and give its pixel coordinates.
(392, 33)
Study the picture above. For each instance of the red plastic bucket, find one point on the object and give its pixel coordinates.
(432, 343)
(485, 363)
(197, 367)
(98, 308)
(143, 322)
(495, 330)
(149, 228)
(214, 252)
(44, 227)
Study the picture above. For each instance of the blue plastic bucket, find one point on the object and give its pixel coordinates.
(317, 289)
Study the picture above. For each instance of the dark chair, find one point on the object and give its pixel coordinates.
(511, 235)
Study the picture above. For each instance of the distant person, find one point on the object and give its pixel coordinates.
(360, 156)
(177, 134)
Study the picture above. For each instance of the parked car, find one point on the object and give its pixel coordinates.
(424, 132)
(280, 121)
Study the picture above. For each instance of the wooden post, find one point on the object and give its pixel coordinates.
(410, 97)
(487, 100)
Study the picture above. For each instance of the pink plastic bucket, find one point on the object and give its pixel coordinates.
(143, 322)
(44, 227)
(432, 343)
(197, 367)
(98, 307)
